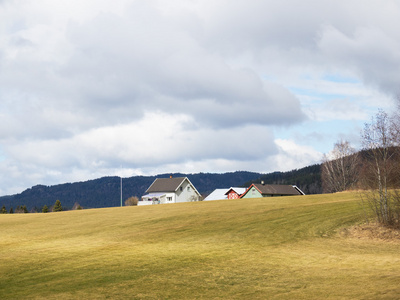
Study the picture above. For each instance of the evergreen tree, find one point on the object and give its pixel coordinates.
(25, 210)
(57, 206)
(3, 210)
(45, 209)
(11, 210)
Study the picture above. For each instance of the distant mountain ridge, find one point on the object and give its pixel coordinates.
(105, 191)
(308, 179)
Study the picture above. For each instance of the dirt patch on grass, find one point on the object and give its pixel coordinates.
(372, 232)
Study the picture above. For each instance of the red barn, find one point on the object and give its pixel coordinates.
(235, 193)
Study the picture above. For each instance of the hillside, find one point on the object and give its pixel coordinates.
(105, 192)
(308, 179)
(276, 248)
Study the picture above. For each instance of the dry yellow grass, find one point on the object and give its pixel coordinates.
(281, 248)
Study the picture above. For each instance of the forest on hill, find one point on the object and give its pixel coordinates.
(105, 191)
(308, 179)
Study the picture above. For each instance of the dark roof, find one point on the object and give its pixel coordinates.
(165, 185)
(277, 189)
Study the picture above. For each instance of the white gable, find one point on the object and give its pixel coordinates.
(238, 190)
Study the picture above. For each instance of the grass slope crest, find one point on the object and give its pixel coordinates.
(283, 247)
(105, 192)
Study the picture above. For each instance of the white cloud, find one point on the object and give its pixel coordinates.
(293, 156)
(86, 87)
(369, 51)
(156, 139)
(159, 141)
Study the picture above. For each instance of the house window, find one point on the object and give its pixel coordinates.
(188, 188)
(181, 188)
(169, 199)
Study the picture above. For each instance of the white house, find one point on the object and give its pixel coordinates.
(170, 190)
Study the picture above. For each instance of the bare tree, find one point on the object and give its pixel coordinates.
(381, 168)
(340, 168)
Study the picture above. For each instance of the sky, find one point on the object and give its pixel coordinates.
(122, 88)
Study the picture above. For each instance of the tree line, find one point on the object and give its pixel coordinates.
(131, 201)
(374, 170)
(105, 191)
(308, 179)
(45, 209)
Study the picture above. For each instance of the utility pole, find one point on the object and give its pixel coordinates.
(121, 190)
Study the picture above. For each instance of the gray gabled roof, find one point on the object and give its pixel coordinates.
(165, 184)
(277, 189)
(169, 185)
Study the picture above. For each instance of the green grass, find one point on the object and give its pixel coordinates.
(279, 248)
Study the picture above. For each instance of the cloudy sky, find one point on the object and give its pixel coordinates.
(101, 88)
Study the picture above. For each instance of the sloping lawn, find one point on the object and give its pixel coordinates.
(280, 248)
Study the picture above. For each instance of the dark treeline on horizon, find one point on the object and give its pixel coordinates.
(105, 191)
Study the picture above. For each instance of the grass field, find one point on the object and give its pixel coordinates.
(275, 248)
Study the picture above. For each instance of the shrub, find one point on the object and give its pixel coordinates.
(131, 201)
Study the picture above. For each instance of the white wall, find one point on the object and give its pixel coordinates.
(164, 199)
(186, 193)
(143, 203)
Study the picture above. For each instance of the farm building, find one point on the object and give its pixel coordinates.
(258, 190)
(218, 194)
(170, 190)
(221, 194)
(235, 193)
